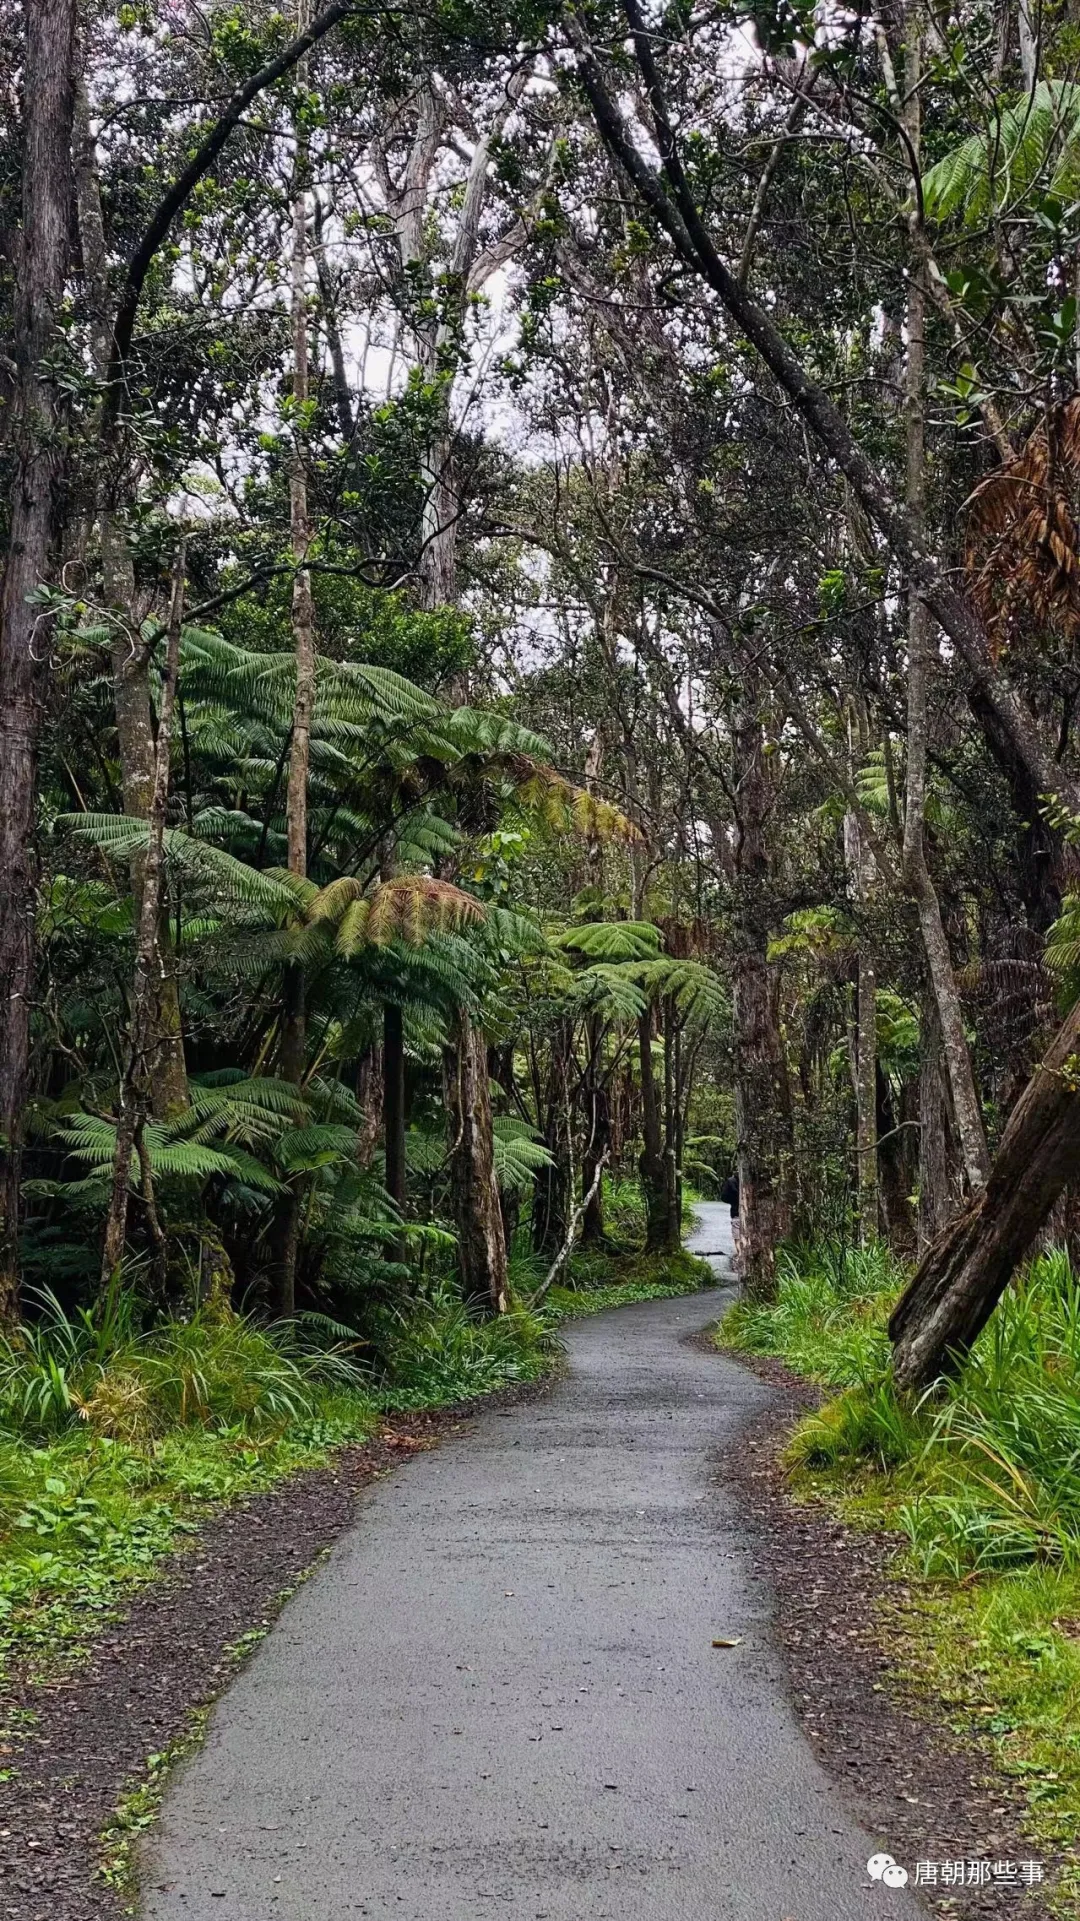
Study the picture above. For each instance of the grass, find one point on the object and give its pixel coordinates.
(641, 1277)
(981, 1478)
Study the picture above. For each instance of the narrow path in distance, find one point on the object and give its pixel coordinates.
(501, 1696)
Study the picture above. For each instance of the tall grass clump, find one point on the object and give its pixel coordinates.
(828, 1320)
(438, 1353)
(984, 1468)
(219, 1371)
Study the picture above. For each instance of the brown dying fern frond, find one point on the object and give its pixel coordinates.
(1021, 542)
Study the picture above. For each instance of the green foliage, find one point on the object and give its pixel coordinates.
(217, 1370)
(1035, 138)
(987, 1464)
(597, 1283)
(441, 1354)
(612, 940)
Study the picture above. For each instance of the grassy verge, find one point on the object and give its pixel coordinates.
(981, 1478)
(598, 1282)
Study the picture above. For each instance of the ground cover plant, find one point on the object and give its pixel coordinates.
(980, 1477)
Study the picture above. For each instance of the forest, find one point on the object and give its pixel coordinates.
(539, 672)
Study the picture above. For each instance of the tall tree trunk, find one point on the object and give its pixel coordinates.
(370, 1100)
(292, 1055)
(865, 1061)
(597, 1144)
(765, 1143)
(672, 1162)
(481, 1240)
(967, 1269)
(134, 713)
(957, 1058)
(35, 515)
(130, 657)
(553, 1197)
(896, 1169)
(137, 1080)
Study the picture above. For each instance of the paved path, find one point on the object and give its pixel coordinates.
(499, 1696)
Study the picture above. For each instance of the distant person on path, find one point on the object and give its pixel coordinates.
(729, 1194)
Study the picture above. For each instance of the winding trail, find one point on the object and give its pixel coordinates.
(500, 1694)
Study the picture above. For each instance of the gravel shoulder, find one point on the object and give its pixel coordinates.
(936, 1796)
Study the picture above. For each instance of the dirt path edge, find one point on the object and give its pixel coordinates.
(165, 1657)
(935, 1795)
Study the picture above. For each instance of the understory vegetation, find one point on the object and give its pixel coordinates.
(981, 1478)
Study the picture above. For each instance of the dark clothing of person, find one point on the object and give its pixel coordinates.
(729, 1193)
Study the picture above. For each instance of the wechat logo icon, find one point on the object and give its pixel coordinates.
(882, 1867)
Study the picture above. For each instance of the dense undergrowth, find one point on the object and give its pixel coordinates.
(116, 1440)
(981, 1477)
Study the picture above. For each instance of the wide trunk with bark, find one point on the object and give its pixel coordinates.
(35, 511)
(967, 1269)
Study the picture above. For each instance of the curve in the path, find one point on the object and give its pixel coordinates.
(500, 1696)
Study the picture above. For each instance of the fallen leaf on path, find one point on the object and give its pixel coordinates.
(723, 1642)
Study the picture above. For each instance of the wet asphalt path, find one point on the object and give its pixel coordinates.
(499, 1696)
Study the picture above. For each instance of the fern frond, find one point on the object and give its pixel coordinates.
(612, 940)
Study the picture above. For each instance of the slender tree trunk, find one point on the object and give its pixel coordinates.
(394, 1104)
(292, 1057)
(967, 1269)
(965, 1100)
(865, 1061)
(936, 1197)
(35, 516)
(553, 1196)
(895, 1169)
(597, 1144)
(866, 1149)
(652, 1164)
(765, 1144)
(130, 658)
(671, 1125)
(481, 1240)
(134, 713)
(136, 1082)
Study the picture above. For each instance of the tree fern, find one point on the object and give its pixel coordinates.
(612, 940)
(1036, 137)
